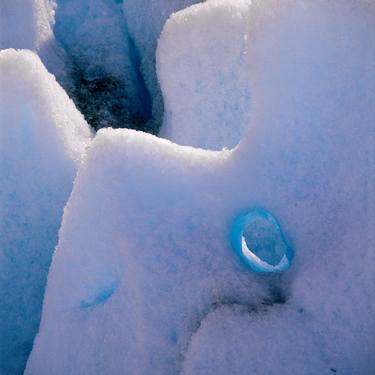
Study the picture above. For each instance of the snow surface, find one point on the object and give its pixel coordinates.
(272, 341)
(107, 86)
(28, 25)
(144, 279)
(42, 138)
(205, 80)
(145, 20)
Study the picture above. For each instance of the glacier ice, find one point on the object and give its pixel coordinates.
(85, 44)
(205, 80)
(144, 279)
(42, 138)
(106, 84)
(155, 283)
(145, 20)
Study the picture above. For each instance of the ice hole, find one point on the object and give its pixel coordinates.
(257, 238)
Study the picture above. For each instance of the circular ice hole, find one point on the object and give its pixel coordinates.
(258, 240)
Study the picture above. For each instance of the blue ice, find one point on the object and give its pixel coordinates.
(258, 240)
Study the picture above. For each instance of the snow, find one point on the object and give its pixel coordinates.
(145, 20)
(273, 340)
(29, 25)
(42, 138)
(145, 279)
(203, 72)
(151, 281)
(37, 15)
(151, 271)
(107, 86)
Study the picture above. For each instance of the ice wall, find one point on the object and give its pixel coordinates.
(107, 86)
(145, 20)
(42, 138)
(202, 67)
(156, 288)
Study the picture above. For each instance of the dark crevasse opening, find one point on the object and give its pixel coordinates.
(103, 65)
(146, 100)
(105, 101)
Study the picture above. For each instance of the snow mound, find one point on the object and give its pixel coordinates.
(145, 20)
(28, 25)
(106, 84)
(204, 76)
(150, 288)
(153, 282)
(42, 138)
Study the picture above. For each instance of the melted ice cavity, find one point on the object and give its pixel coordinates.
(258, 240)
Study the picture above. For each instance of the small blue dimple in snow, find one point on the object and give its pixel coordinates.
(258, 240)
(100, 297)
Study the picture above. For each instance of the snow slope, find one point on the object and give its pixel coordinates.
(42, 138)
(142, 288)
(145, 20)
(145, 280)
(211, 110)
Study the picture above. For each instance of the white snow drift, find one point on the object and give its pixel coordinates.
(144, 279)
(42, 138)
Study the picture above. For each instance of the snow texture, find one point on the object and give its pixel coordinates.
(145, 20)
(211, 110)
(29, 25)
(144, 279)
(42, 138)
(272, 341)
